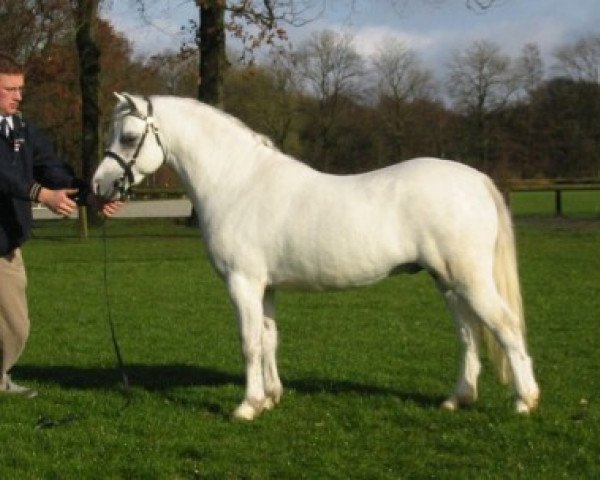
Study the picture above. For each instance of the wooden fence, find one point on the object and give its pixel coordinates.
(557, 186)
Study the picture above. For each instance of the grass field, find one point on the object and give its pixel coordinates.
(364, 370)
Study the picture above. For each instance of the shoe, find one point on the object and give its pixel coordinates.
(16, 389)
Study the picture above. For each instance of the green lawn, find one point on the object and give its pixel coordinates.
(364, 370)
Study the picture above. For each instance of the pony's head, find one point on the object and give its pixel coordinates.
(133, 150)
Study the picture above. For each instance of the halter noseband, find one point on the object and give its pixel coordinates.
(127, 165)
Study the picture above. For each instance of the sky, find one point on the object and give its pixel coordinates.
(434, 29)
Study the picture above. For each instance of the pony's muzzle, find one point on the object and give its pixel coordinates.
(116, 191)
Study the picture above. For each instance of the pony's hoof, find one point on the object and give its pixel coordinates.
(527, 406)
(450, 405)
(245, 412)
(248, 411)
(269, 404)
(457, 400)
(522, 407)
(273, 398)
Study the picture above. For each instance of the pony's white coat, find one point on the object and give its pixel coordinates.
(270, 221)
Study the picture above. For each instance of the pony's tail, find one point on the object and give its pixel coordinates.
(506, 277)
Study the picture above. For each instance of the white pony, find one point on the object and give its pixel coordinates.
(270, 221)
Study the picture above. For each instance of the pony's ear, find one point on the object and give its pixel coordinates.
(127, 99)
(119, 97)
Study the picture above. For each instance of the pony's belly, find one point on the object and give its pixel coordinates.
(340, 265)
(337, 279)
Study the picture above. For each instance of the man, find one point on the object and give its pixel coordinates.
(29, 172)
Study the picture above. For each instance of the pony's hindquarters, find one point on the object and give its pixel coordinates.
(479, 277)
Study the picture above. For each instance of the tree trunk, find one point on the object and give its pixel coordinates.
(211, 43)
(89, 70)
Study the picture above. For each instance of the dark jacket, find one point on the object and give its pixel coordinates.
(27, 162)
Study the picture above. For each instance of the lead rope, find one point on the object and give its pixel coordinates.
(111, 323)
(45, 422)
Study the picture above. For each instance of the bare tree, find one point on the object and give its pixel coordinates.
(399, 73)
(481, 82)
(529, 67)
(529, 71)
(400, 81)
(329, 68)
(580, 60)
(480, 79)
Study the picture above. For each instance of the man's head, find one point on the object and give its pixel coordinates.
(12, 80)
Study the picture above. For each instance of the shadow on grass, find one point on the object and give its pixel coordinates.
(166, 377)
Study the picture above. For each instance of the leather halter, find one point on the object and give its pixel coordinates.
(127, 166)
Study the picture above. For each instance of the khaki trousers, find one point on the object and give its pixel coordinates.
(14, 316)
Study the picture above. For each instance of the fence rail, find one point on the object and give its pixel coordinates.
(157, 193)
(558, 186)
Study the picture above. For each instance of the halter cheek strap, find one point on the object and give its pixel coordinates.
(127, 166)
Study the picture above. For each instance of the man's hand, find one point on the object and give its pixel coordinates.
(107, 207)
(58, 201)
(110, 208)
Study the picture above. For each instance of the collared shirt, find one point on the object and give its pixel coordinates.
(9, 120)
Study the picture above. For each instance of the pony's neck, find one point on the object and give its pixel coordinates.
(210, 151)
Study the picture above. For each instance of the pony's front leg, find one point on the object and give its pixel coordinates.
(272, 383)
(247, 300)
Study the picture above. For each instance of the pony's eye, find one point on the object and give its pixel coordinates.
(128, 140)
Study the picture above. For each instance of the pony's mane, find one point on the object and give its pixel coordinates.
(259, 138)
(124, 108)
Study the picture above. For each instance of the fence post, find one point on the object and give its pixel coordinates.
(506, 195)
(83, 222)
(558, 202)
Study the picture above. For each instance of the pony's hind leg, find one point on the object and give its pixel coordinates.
(469, 332)
(493, 311)
(247, 300)
(272, 383)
